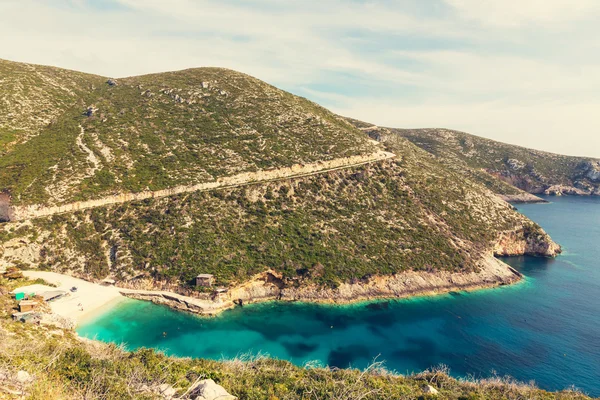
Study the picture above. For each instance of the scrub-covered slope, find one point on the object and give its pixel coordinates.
(333, 226)
(33, 96)
(156, 131)
(408, 213)
(533, 171)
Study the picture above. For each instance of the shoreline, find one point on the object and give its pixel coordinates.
(84, 303)
(523, 198)
(100, 311)
(97, 299)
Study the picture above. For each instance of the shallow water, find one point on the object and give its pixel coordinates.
(546, 328)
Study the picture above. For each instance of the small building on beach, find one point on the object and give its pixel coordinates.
(27, 305)
(205, 280)
(52, 295)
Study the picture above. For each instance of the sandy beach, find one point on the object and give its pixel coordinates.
(89, 297)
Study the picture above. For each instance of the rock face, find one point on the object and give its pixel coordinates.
(592, 170)
(492, 272)
(5, 210)
(209, 390)
(559, 190)
(530, 241)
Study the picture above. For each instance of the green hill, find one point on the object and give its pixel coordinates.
(162, 130)
(73, 137)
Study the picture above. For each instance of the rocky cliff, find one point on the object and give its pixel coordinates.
(528, 240)
(271, 285)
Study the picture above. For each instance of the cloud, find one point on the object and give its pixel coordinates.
(516, 13)
(493, 68)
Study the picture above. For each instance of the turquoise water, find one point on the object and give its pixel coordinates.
(546, 328)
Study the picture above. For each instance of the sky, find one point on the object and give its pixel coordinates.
(525, 72)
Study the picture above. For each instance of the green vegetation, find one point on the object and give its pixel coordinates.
(35, 96)
(162, 130)
(155, 132)
(378, 219)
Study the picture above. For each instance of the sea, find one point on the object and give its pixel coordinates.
(544, 329)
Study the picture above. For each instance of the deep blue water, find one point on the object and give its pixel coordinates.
(546, 328)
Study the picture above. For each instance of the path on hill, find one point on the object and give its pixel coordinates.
(91, 157)
(20, 213)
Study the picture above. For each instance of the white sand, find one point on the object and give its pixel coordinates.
(89, 297)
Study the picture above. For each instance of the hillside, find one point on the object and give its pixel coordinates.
(533, 171)
(33, 96)
(73, 137)
(407, 213)
(275, 183)
(152, 180)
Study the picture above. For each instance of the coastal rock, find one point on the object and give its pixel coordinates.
(559, 190)
(24, 377)
(209, 390)
(529, 240)
(270, 285)
(166, 391)
(428, 389)
(522, 198)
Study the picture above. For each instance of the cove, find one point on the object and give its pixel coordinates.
(545, 328)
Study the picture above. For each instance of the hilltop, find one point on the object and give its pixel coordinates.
(71, 137)
(506, 169)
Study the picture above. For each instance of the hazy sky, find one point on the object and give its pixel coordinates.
(520, 71)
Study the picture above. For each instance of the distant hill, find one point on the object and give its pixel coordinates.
(533, 171)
